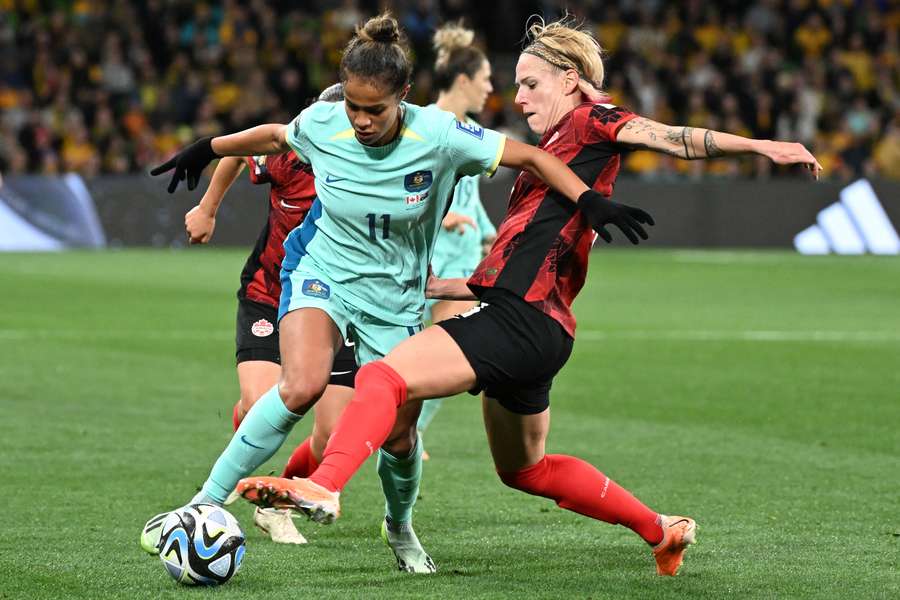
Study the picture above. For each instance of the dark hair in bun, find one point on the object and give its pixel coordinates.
(378, 52)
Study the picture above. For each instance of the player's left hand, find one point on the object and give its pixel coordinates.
(602, 211)
(188, 163)
(447, 289)
(790, 153)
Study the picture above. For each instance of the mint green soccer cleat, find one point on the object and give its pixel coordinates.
(402, 540)
(151, 533)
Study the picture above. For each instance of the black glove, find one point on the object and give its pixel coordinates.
(601, 211)
(189, 163)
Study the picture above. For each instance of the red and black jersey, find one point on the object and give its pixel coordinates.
(291, 195)
(542, 246)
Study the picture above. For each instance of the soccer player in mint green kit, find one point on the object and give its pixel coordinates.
(358, 265)
(462, 76)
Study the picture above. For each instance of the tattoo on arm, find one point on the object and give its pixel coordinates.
(687, 137)
(683, 136)
(670, 151)
(709, 144)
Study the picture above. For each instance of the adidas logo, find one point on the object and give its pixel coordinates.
(855, 225)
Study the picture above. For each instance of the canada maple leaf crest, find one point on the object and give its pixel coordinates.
(606, 115)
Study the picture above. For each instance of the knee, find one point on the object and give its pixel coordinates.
(249, 396)
(300, 394)
(530, 479)
(401, 443)
(403, 436)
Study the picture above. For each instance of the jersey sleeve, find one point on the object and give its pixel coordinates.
(259, 170)
(296, 135)
(605, 121)
(474, 150)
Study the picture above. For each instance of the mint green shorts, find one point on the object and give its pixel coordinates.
(373, 338)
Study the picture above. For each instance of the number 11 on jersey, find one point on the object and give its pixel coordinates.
(385, 226)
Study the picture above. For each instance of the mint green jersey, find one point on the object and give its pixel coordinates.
(457, 254)
(372, 229)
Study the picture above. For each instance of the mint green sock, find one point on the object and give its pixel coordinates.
(400, 481)
(260, 435)
(429, 409)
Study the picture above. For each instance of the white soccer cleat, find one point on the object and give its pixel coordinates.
(151, 533)
(232, 498)
(278, 525)
(402, 540)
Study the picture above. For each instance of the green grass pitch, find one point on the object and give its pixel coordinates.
(757, 392)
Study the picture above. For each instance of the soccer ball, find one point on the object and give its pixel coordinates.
(201, 544)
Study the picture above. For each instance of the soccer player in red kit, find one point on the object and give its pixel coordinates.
(514, 343)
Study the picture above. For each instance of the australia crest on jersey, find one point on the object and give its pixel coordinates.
(418, 183)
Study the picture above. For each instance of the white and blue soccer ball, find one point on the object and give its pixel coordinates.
(201, 544)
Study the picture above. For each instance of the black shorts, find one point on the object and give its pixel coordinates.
(514, 349)
(257, 339)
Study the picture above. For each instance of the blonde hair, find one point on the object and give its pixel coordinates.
(455, 55)
(566, 45)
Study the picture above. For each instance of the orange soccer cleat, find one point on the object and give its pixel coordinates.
(678, 534)
(300, 495)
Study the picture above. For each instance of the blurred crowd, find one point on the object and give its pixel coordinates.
(112, 86)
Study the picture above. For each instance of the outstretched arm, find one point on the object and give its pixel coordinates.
(556, 174)
(190, 162)
(200, 221)
(693, 143)
(262, 139)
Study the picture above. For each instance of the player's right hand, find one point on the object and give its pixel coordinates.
(457, 222)
(188, 163)
(601, 211)
(199, 225)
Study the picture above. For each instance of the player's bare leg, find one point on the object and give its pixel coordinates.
(517, 443)
(255, 378)
(327, 411)
(433, 346)
(319, 499)
(441, 311)
(309, 341)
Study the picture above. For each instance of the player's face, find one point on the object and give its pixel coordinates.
(541, 92)
(373, 112)
(478, 88)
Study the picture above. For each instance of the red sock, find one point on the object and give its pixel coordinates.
(236, 416)
(577, 486)
(363, 426)
(302, 462)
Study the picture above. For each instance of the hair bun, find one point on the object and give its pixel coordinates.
(450, 37)
(383, 29)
